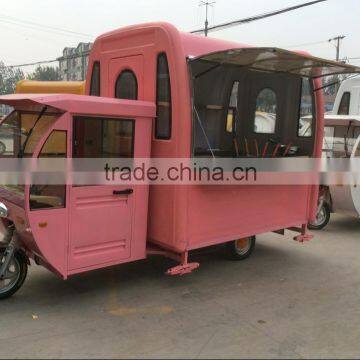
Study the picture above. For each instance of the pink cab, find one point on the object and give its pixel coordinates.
(155, 92)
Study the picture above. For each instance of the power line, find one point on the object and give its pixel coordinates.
(255, 18)
(42, 27)
(206, 29)
(31, 64)
(85, 53)
(307, 44)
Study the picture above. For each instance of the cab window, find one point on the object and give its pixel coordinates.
(50, 196)
(103, 138)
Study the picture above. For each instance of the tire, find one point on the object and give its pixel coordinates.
(19, 266)
(2, 148)
(241, 249)
(322, 218)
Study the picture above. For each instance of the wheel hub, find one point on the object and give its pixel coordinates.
(242, 245)
(320, 217)
(11, 276)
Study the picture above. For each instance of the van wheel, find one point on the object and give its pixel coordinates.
(2, 148)
(241, 249)
(322, 218)
(15, 275)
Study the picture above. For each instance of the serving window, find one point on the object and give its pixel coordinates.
(238, 112)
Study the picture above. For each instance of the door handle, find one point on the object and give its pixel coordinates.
(123, 192)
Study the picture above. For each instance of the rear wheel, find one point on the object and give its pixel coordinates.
(322, 218)
(241, 249)
(15, 275)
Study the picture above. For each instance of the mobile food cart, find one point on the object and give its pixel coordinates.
(175, 95)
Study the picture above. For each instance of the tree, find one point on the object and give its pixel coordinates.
(45, 73)
(9, 78)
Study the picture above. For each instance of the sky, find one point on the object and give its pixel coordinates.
(305, 29)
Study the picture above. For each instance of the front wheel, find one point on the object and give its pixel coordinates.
(322, 218)
(15, 275)
(241, 249)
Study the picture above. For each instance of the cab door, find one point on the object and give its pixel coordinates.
(48, 204)
(101, 216)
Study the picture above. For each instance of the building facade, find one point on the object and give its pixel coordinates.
(74, 62)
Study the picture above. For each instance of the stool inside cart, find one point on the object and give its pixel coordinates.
(168, 95)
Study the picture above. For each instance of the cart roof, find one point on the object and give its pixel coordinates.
(277, 60)
(81, 104)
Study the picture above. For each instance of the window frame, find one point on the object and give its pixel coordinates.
(276, 117)
(313, 111)
(124, 71)
(64, 185)
(99, 118)
(232, 108)
(66, 141)
(96, 65)
(346, 93)
(157, 136)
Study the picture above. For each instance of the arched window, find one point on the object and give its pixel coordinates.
(126, 86)
(163, 99)
(95, 80)
(265, 112)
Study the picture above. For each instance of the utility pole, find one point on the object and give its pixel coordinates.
(207, 4)
(337, 39)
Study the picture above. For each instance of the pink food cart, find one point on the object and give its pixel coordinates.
(155, 92)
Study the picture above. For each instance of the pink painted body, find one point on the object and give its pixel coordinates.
(183, 218)
(96, 229)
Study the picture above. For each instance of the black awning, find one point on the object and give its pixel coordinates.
(278, 60)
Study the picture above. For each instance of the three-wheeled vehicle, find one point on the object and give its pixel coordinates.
(168, 95)
(341, 141)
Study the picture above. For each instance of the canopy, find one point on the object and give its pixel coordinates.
(81, 104)
(278, 60)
